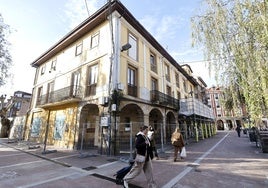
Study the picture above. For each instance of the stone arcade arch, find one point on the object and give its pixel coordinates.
(131, 118)
(220, 124)
(170, 125)
(156, 121)
(88, 127)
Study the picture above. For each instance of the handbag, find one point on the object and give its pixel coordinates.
(140, 158)
(183, 152)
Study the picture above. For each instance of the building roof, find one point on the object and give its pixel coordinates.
(96, 19)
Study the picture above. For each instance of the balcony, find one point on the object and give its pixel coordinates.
(163, 99)
(67, 93)
(132, 90)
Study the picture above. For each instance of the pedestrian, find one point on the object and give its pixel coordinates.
(142, 160)
(238, 130)
(178, 142)
(152, 139)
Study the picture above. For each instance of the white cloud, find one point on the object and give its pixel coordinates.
(76, 11)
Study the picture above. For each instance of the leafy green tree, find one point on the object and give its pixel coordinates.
(5, 57)
(234, 36)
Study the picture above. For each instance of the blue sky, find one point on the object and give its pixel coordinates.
(37, 25)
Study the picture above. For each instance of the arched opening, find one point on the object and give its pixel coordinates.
(170, 125)
(89, 127)
(156, 121)
(220, 125)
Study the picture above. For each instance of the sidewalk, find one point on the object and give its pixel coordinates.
(223, 160)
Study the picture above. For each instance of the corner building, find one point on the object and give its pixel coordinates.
(97, 85)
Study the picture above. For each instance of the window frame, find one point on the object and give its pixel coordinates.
(78, 48)
(91, 86)
(95, 40)
(133, 51)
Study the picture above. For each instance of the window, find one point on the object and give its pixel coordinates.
(154, 84)
(177, 78)
(53, 65)
(131, 80)
(168, 90)
(132, 52)
(154, 87)
(92, 80)
(153, 63)
(17, 105)
(78, 49)
(43, 69)
(50, 92)
(185, 86)
(39, 95)
(75, 84)
(178, 95)
(127, 124)
(95, 40)
(167, 72)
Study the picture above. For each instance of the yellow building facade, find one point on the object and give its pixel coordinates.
(101, 82)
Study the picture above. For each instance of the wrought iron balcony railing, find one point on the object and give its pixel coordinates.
(161, 98)
(66, 93)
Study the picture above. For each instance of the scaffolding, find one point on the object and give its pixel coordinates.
(197, 119)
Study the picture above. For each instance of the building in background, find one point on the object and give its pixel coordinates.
(13, 115)
(225, 119)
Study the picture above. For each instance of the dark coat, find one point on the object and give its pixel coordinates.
(142, 147)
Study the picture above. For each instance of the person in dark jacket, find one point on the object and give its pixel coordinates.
(143, 149)
(238, 130)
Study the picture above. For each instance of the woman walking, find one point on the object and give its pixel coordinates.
(177, 142)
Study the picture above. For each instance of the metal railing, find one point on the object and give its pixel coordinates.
(164, 99)
(66, 93)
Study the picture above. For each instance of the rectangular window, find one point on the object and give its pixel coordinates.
(17, 105)
(78, 49)
(167, 72)
(39, 95)
(177, 77)
(53, 65)
(50, 92)
(154, 87)
(92, 80)
(178, 95)
(75, 85)
(169, 90)
(154, 84)
(131, 80)
(95, 40)
(185, 86)
(43, 69)
(132, 52)
(153, 63)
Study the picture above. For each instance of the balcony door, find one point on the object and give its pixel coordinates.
(132, 81)
(75, 84)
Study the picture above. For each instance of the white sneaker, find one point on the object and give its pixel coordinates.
(125, 184)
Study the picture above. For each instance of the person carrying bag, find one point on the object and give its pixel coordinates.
(142, 160)
(178, 143)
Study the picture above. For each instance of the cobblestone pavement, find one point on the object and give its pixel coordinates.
(223, 160)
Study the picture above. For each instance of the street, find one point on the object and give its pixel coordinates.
(224, 160)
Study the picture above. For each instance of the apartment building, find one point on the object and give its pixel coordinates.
(225, 119)
(97, 85)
